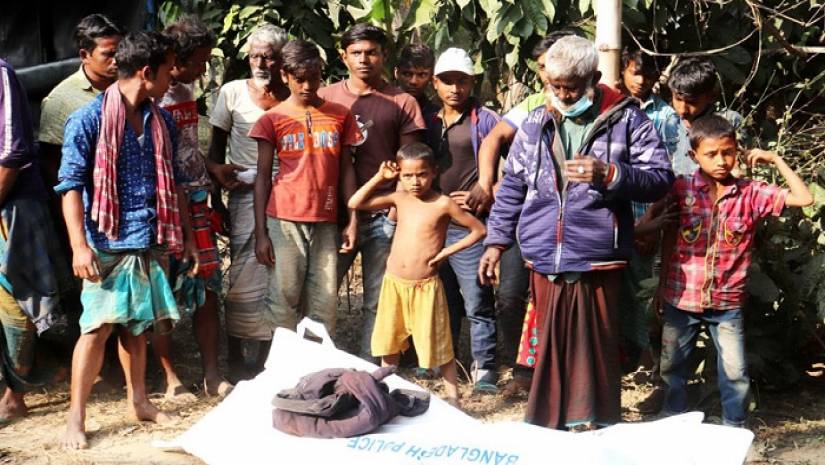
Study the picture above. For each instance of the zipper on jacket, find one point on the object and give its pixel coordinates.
(615, 232)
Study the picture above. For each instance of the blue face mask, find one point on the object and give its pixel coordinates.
(581, 106)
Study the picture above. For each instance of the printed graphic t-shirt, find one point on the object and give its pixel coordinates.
(308, 144)
(179, 100)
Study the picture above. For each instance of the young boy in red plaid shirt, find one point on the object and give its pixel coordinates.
(706, 257)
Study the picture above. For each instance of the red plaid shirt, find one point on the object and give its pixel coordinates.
(709, 265)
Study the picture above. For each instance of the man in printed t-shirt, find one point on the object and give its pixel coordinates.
(389, 119)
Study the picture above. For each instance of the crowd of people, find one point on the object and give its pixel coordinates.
(539, 224)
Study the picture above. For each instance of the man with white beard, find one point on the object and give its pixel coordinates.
(239, 105)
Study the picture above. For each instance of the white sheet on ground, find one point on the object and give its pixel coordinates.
(239, 430)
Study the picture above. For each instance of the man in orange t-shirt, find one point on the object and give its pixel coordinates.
(296, 216)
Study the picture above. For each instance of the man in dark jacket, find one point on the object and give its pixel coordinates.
(566, 197)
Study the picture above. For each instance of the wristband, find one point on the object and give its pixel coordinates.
(611, 174)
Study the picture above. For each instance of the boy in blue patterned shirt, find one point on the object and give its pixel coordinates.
(123, 213)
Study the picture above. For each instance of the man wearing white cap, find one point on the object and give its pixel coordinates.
(455, 132)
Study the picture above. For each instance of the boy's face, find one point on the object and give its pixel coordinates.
(365, 60)
(157, 83)
(303, 85)
(416, 176)
(193, 68)
(100, 61)
(543, 76)
(453, 88)
(636, 83)
(716, 157)
(689, 107)
(414, 80)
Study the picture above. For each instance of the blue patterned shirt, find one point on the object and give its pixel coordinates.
(667, 123)
(136, 173)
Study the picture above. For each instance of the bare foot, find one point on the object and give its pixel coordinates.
(453, 401)
(179, 394)
(216, 387)
(517, 386)
(75, 436)
(145, 411)
(12, 407)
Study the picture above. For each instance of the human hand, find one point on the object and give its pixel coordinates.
(225, 174)
(755, 156)
(263, 251)
(388, 171)
(460, 197)
(585, 169)
(479, 199)
(435, 261)
(664, 220)
(191, 256)
(86, 264)
(349, 237)
(657, 304)
(487, 266)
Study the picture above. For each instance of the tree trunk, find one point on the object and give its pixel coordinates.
(609, 39)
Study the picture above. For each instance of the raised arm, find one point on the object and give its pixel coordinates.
(799, 196)
(463, 218)
(363, 199)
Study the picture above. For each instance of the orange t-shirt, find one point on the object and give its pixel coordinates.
(308, 143)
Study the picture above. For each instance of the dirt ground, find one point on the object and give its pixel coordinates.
(789, 426)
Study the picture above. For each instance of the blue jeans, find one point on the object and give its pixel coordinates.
(466, 295)
(727, 329)
(374, 241)
(511, 300)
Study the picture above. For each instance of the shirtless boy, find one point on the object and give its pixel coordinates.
(412, 301)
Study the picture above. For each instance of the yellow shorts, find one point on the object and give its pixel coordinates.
(416, 308)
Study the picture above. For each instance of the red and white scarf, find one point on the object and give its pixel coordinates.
(105, 204)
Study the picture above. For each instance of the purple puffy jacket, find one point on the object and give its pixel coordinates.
(574, 227)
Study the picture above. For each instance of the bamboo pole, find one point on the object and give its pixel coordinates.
(609, 39)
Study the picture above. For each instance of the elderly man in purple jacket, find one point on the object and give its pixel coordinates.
(566, 198)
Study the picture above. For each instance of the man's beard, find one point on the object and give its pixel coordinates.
(261, 77)
(559, 105)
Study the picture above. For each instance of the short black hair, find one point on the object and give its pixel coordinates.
(693, 77)
(417, 151)
(139, 49)
(547, 41)
(299, 56)
(364, 31)
(416, 56)
(187, 35)
(710, 127)
(93, 27)
(646, 64)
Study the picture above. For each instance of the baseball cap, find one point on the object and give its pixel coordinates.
(454, 59)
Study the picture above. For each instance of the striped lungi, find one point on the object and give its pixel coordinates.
(248, 279)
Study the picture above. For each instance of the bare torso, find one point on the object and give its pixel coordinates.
(419, 235)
